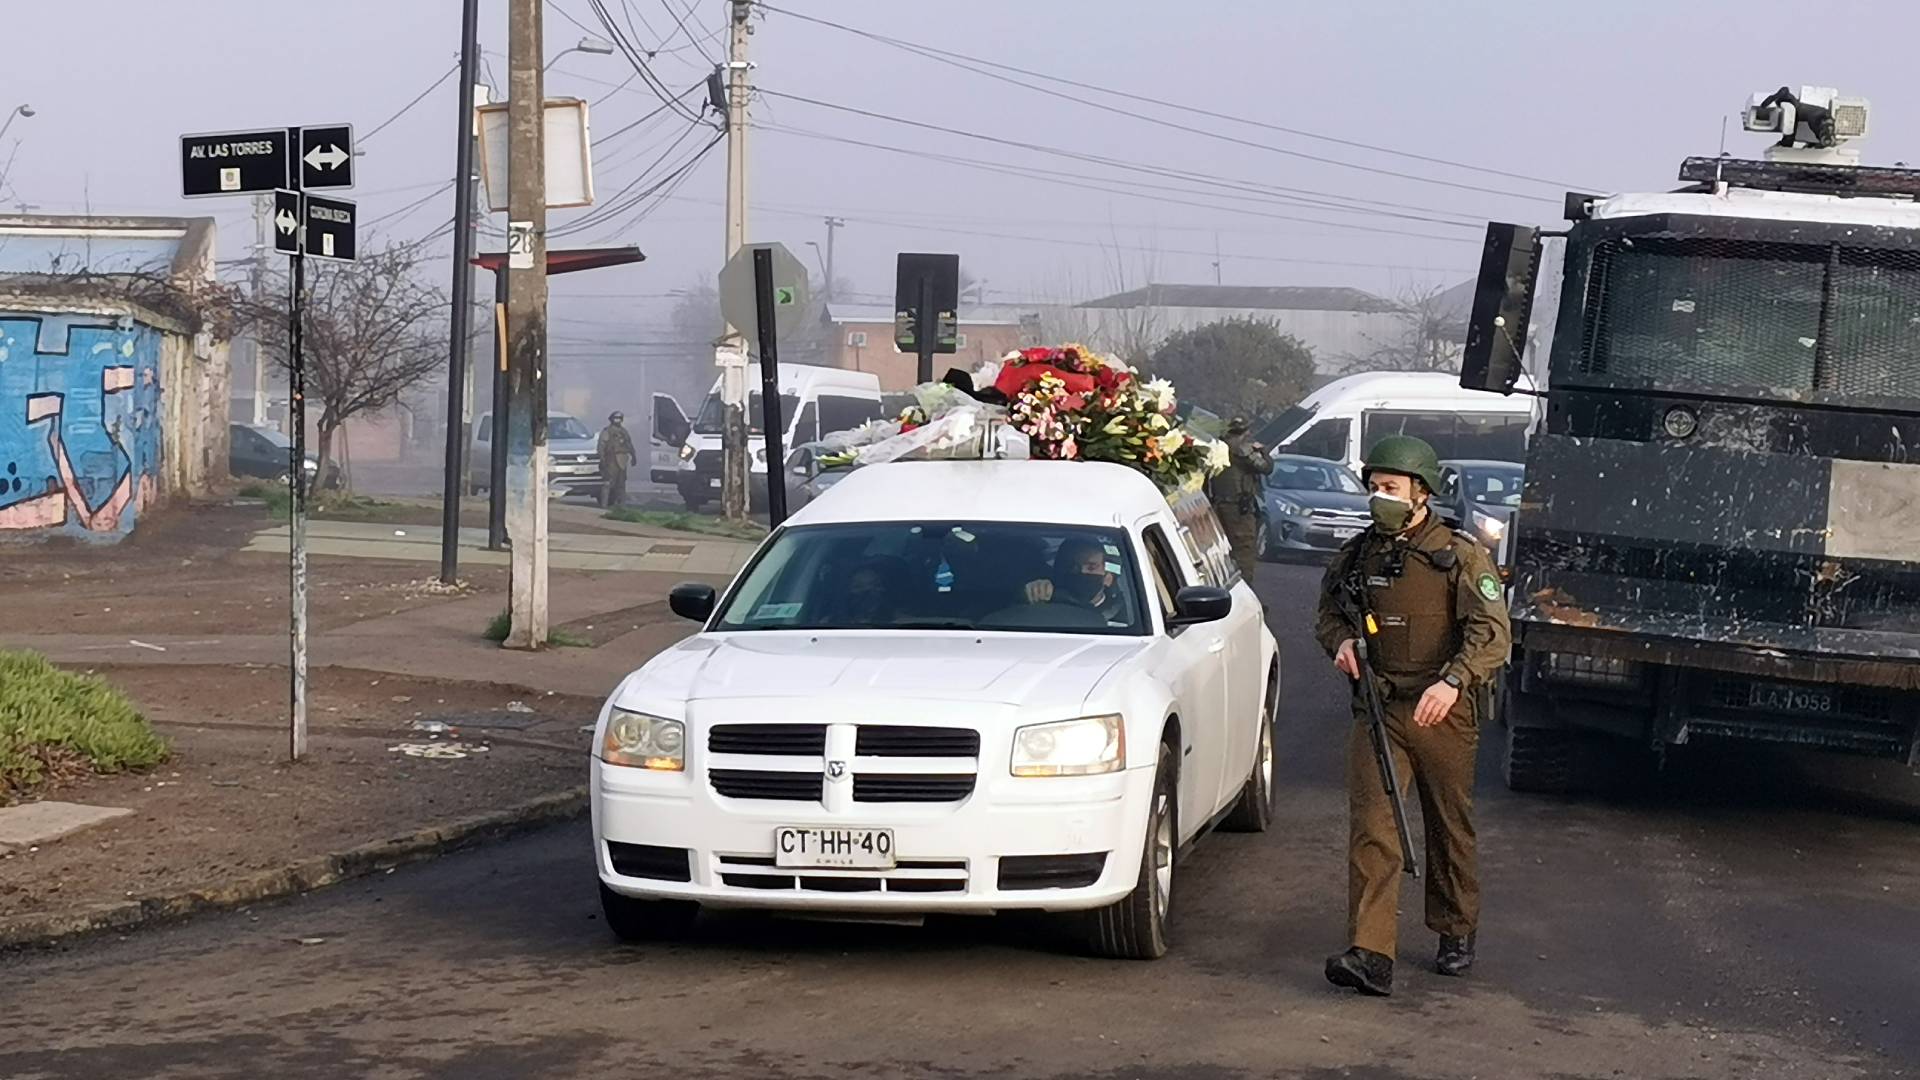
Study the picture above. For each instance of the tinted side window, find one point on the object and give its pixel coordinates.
(808, 429)
(1493, 436)
(1167, 580)
(841, 413)
(1326, 439)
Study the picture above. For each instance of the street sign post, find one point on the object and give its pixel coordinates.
(283, 161)
(767, 298)
(926, 307)
(286, 222)
(326, 156)
(233, 162)
(329, 228)
(739, 303)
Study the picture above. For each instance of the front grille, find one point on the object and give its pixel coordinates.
(911, 788)
(908, 876)
(707, 463)
(648, 861)
(1338, 517)
(882, 740)
(766, 784)
(790, 740)
(1021, 872)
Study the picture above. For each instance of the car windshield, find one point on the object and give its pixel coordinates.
(274, 436)
(1493, 485)
(713, 414)
(566, 427)
(1293, 475)
(941, 575)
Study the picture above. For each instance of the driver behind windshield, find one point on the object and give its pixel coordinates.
(1080, 578)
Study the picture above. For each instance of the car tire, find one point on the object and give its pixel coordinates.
(695, 503)
(631, 919)
(1253, 811)
(1135, 926)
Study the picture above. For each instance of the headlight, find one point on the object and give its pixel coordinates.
(1492, 526)
(1083, 747)
(686, 452)
(1288, 509)
(760, 456)
(644, 742)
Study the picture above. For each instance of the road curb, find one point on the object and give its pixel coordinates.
(29, 931)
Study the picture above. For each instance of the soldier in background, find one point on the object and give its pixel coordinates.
(1237, 492)
(616, 456)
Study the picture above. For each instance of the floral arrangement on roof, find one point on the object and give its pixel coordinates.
(1068, 403)
(1075, 404)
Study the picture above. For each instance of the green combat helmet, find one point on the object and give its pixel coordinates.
(1405, 455)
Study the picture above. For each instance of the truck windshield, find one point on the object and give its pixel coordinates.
(566, 427)
(713, 414)
(1742, 314)
(959, 576)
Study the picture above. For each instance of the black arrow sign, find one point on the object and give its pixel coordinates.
(326, 156)
(233, 162)
(286, 222)
(330, 228)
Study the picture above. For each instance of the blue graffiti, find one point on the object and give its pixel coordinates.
(81, 442)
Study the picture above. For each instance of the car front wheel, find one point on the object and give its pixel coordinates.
(1135, 926)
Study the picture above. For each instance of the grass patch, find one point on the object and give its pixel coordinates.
(332, 505)
(503, 622)
(55, 722)
(681, 521)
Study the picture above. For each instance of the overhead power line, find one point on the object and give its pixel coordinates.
(682, 23)
(408, 107)
(950, 57)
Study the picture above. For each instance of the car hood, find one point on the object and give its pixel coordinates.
(1036, 671)
(572, 446)
(1323, 500)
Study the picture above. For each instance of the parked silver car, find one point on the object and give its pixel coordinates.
(1309, 505)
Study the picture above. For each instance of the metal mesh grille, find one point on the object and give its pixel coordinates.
(1777, 317)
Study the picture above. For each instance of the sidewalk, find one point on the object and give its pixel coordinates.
(423, 734)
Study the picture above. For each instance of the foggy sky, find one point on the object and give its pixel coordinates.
(1604, 97)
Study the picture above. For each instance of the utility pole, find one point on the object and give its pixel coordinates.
(832, 224)
(256, 276)
(526, 327)
(458, 396)
(731, 357)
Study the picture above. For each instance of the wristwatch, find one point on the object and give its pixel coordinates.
(1451, 680)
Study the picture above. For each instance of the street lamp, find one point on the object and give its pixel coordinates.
(18, 110)
(597, 46)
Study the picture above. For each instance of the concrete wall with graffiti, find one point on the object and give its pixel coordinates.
(83, 422)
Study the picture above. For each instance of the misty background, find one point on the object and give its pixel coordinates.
(1431, 118)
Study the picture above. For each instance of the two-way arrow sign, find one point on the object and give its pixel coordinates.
(286, 222)
(326, 156)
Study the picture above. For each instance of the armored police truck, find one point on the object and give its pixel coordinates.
(1719, 536)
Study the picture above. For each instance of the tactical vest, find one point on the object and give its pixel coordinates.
(1414, 608)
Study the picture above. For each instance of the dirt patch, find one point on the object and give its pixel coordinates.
(183, 572)
(228, 803)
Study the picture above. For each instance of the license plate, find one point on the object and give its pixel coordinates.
(1773, 697)
(1346, 532)
(862, 849)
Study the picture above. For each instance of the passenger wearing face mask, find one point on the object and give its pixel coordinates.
(1442, 636)
(1081, 578)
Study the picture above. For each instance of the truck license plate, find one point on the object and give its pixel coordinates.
(1773, 697)
(862, 849)
(1346, 532)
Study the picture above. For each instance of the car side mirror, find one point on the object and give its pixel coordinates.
(1198, 604)
(1502, 304)
(693, 600)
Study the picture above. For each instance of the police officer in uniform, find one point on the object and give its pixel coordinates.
(1442, 637)
(1236, 494)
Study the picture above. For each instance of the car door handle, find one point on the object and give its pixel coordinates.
(1217, 645)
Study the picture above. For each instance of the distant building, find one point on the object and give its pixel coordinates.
(860, 338)
(1339, 324)
(111, 401)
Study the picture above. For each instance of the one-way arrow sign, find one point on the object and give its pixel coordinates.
(326, 156)
(286, 222)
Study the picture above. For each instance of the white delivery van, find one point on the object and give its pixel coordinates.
(1339, 421)
(814, 401)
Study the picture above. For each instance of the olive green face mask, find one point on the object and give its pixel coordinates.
(1390, 512)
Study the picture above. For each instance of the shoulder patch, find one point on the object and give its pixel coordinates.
(1489, 586)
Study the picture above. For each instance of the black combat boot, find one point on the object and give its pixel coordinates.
(1456, 955)
(1364, 970)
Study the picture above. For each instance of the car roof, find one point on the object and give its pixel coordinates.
(1309, 459)
(1481, 463)
(1369, 388)
(1050, 492)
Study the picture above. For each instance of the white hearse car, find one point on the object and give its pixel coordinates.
(947, 686)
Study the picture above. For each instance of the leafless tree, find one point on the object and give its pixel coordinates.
(373, 330)
(1429, 336)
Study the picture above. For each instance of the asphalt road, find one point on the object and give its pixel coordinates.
(1728, 921)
